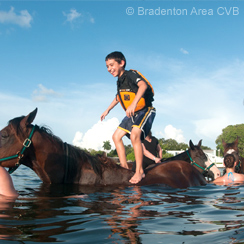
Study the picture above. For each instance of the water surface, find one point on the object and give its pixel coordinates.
(149, 214)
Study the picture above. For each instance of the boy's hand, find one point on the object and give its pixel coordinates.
(130, 111)
(112, 105)
(104, 114)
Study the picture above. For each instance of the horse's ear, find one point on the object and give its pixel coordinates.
(236, 141)
(200, 143)
(191, 145)
(27, 120)
(224, 143)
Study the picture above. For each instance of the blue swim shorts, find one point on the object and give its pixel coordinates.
(142, 119)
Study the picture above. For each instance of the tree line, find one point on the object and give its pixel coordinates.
(166, 145)
(229, 134)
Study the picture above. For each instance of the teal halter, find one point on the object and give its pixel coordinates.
(193, 163)
(19, 154)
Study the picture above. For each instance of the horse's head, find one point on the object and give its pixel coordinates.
(202, 162)
(13, 139)
(232, 148)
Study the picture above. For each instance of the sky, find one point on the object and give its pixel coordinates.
(52, 57)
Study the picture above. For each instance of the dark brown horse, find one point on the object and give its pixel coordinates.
(232, 148)
(58, 162)
(195, 156)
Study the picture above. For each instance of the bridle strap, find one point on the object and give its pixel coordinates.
(189, 156)
(194, 163)
(20, 154)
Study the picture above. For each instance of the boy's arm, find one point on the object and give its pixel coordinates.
(141, 90)
(111, 106)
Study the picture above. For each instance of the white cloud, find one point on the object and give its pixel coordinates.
(91, 19)
(184, 51)
(43, 94)
(94, 137)
(24, 19)
(201, 101)
(171, 132)
(74, 17)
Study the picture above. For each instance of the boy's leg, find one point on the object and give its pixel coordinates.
(120, 148)
(138, 150)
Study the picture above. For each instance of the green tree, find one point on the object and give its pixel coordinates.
(229, 134)
(167, 155)
(171, 144)
(131, 156)
(129, 151)
(205, 148)
(182, 146)
(106, 145)
(113, 153)
(94, 152)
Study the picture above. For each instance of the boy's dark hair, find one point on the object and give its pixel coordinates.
(229, 160)
(117, 56)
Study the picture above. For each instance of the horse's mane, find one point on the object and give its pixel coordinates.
(75, 154)
(43, 128)
(98, 162)
(16, 124)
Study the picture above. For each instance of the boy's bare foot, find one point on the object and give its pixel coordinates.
(137, 177)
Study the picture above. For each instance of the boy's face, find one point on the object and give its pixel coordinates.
(114, 68)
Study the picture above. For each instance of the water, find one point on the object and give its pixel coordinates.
(151, 214)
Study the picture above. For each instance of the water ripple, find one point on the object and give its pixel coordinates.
(148, 214)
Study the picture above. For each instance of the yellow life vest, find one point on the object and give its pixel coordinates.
(126, 95)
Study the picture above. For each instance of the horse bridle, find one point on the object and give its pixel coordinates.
(27, 142)
(20, 154)
(205, 170)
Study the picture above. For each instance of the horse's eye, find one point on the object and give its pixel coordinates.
(4, 134)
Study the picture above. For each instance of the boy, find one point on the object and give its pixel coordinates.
(135, 95)
(230, 176)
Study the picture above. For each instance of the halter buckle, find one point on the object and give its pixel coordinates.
(20, 155)
(27, 142)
